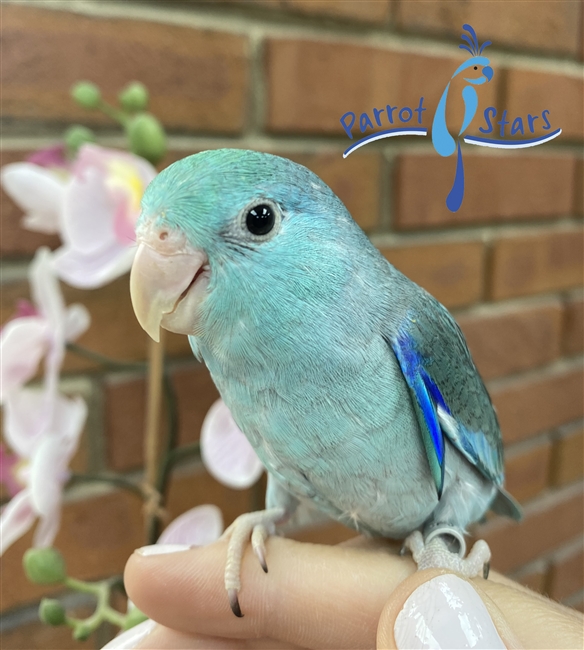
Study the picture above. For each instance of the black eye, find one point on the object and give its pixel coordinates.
(475, 67)
(260, 219)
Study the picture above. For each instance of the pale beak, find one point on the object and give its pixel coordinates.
(167, 288)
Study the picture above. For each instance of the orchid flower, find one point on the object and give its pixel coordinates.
(42, 473)
(226, 452)
(93, 204)
(196, 527)
(24, 342)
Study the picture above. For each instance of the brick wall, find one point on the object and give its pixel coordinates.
(276, 76)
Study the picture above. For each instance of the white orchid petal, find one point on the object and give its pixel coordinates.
(199, 526)
(46, 291)
(225, 450)
(16, 519)
(70, 414)
(23, 342)
(46, 470)
(88, 212)
(38, 191)
(27, 414)
(47, 529)
(95, 270)
(77, 320)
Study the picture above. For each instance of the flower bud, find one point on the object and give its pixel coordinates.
(52, 612)
(147, 137)
(86, 94)
(76, 136)
(45, 566)
(133, 617)
(82, 631)
(134, 97)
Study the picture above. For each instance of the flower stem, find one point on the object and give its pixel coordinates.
(151, 436)
(103, 360)
(113, 112)
(117, 481)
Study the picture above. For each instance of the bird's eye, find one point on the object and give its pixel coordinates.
(260, 219)
(476, 68)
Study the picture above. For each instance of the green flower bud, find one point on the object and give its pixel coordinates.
(133, 617)
(134, 97)
(76, 136)
(86, 94)
(45, 566)
(82, 631)
(52, 612)
(147, 137)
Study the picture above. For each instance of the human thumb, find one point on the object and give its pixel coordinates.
(435, 609)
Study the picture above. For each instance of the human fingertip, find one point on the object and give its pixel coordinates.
(446, 612)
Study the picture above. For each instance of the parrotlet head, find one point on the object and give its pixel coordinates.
(229, 226)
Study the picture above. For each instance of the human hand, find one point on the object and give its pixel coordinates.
(314, 596)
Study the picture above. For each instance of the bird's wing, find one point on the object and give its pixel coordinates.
(447, 391)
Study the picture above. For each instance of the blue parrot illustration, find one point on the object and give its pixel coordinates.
(442, 140)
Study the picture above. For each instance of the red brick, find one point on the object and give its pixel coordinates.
(534, 25)
(312, 84)
(355, 180)
(531, 406)
(96, 538)
(568, 458)
(527, 473)
(547, 523)
(125, 407)
(453, 273)
(509, 341)
(579, 186)
(533, 92)
(497, 189)
(573, 335)
(528, 264)
(374, 11)
(330, 534)
(16, 241)
(197, 78)
(567, 574)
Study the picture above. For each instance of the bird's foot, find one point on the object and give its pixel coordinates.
(257, 525)
(434, 553)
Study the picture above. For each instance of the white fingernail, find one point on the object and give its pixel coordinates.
(132, 637)
(162, 549)
(445, 612)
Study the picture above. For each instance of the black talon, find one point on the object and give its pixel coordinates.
(486, 569)
(234, 603)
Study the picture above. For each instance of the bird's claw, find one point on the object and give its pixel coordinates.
(258, 526)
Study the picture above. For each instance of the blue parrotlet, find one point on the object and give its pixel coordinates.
(352, 383)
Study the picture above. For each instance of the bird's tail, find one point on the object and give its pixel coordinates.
(454, 198)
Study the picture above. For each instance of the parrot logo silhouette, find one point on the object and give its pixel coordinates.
(477, 71)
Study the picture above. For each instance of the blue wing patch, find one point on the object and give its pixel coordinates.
(427, 397)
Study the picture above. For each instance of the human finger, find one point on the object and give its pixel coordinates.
(313, 596)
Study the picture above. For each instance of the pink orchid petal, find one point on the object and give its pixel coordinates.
(37, 191)
(16, 519)
(92, 155)
(91, 271)
(70, 414)
(77, 320)
(27, 414)
(226, 452)
(47, 529)
(23, 342)
(25, 308)
(50, 157)
(197, 527)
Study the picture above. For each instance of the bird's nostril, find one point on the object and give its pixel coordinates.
(163, 235)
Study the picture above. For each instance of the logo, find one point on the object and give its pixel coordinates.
(474, 72)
